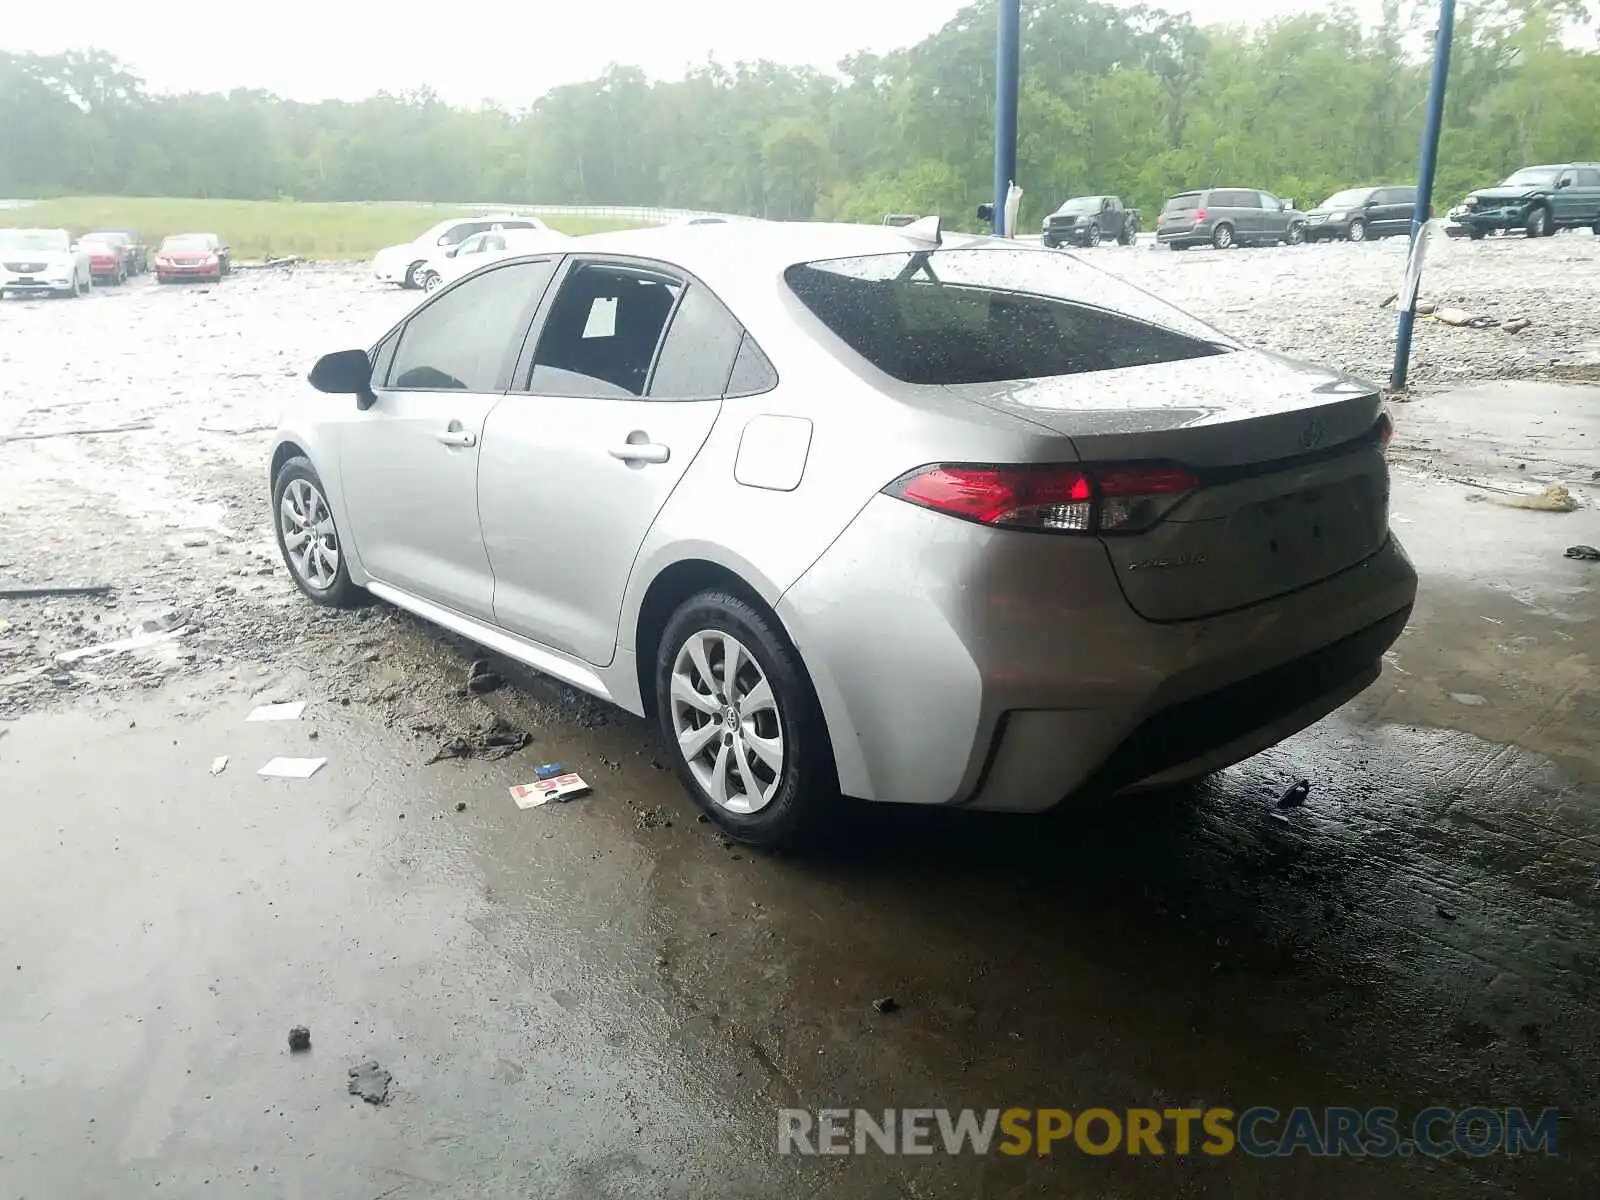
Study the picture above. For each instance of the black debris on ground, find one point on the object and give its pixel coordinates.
(1295, 795)
(1585, 553)
(370, 1082)
(494, 738)
(1444, 913)
(299, 1039)
(461, 806)
(886, 1004)
(482, 678)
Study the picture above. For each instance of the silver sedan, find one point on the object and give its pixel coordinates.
(850, 511)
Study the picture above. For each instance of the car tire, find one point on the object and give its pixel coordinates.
(1222, 237)
(429, 281)
(780, 806)
(1537, 223)
(1477, 235)
(1129, 234)
(1091, 237)
(299, 508)
(1357, 231)
(413, 276)
(1296, 235)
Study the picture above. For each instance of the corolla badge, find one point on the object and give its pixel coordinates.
(1167, 564)
(1311, 436)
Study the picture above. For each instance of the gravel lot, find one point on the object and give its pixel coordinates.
(173, 509)
(1322, 302)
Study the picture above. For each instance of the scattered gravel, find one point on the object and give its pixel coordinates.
(1322, 302)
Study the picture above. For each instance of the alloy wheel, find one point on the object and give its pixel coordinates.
(431, 281)
(309, 534)
(726, 720)
(1358, 230)
(1223, 237)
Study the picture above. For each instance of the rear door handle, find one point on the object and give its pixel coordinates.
(455, 435)
(641, 452)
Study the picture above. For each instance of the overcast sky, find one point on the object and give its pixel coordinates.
(313, 49)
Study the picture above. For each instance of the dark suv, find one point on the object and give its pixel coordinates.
(1539, 200)
(1361, 213)
(1224, 217)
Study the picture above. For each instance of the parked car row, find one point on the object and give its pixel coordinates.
(51, 262)
(1536, 200)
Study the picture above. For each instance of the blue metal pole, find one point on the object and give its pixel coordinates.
(1430, 158)
(1008, 54)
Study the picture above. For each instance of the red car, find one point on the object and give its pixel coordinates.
(192, 256)
(108, 261)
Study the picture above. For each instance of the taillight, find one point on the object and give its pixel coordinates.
(1054, 499)
(1199, 214)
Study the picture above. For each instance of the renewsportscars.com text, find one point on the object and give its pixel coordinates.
(1258, 1132)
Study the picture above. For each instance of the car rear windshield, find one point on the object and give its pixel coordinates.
(989, 315)
(192, 241)
(1182, 203)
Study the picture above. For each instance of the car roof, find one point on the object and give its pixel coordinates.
(743, 262)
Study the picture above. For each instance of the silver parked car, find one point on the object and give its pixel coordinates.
(861, 511)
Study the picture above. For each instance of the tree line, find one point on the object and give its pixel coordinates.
(1136, 101)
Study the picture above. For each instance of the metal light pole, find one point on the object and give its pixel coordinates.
(1008, 54)
(1424, 206)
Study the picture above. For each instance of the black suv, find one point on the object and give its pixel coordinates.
(1357, 214)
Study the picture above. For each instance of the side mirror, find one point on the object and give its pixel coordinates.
(345, 373)
(1370, 202)
(1561, 183)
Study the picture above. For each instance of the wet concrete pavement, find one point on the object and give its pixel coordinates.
(600, 999)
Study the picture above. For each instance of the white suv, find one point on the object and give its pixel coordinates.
(403, 264)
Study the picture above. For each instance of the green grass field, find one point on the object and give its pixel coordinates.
(262, 228)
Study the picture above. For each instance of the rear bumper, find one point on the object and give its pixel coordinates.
(166, 274)
(1192, 235)
(959, 665)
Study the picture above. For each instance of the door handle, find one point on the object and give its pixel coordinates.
(455, 435)
(641, 452)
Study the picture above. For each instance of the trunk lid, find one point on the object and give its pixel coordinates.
(1295, 484)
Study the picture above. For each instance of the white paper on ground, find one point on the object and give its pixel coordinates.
(137, 642)
(292, 768)
(289, 711)
(219, 764)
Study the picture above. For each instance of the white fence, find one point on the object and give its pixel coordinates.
(604, 212)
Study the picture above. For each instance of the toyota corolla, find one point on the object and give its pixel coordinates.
(861, 512)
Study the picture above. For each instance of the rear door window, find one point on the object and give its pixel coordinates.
(753, 372)
(969, 316)
(602, 332)
(1587, 177)
(698, 354)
